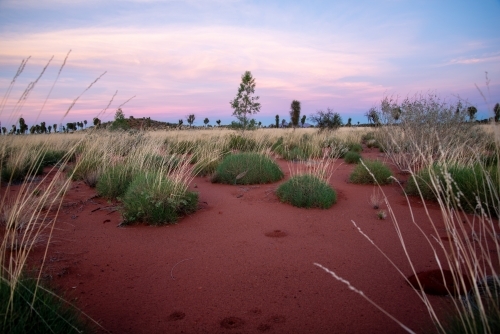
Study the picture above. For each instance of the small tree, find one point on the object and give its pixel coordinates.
(206, 121)
(295, 113)
(245, 104)
(372, 116)
(327, 120)
(190, 119)
(50, 128)
(22, 126)
(303, 120)
(277, 121)
(471, 111)
(349, 122)
(496, 110)
(4, 130)
(85, 122)
(54, 127)
(180, 122)
(283, 122)
(97, 122)
(43, 128)
(218, 122)
(120, 123)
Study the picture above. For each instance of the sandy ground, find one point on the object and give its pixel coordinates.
(244, 262)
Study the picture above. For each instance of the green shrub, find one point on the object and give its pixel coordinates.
(15, 170)
(48, 314)
(380, 171)
(355, 147)
(307, 191)
(247, 168)
(241, 143)
(352, 157)
(114, 181)
(155, 199)
(469, 182)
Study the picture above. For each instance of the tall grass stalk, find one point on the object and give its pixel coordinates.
(471, 248)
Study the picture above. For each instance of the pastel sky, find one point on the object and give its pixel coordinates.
(181, 57)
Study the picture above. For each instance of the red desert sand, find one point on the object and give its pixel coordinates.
(244, 262)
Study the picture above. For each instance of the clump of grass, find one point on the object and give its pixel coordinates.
(247, 168)
(114, 181)
(355, 147)
(352, 157)
(468, 185)
(307, 191)
(381, 214)
(155, 199)
(17, 168)
(35, 310)
(241, 143)
(371, 172)
(159, 162)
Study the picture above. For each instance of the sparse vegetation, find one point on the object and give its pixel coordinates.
(371, 172)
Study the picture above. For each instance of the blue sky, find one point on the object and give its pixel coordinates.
(183, 57)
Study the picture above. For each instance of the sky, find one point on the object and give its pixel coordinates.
(167, 59)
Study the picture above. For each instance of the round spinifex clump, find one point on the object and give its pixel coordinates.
(155, 199)
(247, 168)
(307, 191)
(114, 181)
(352, 157)
(381, 173)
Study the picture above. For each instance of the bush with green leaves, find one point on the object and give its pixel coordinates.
(247, 168)
(352, 157)
(114, 181)
(463, 185)
(44, 313)
(156, 199)
(377, 171)
(307, 191)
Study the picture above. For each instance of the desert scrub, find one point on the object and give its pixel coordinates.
(155, 199)
(114, 181)
(307, 191)
(461, 184)
(381, 173)
(47, 313)
(247, 168)
(352, 157)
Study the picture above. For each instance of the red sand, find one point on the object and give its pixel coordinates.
(243, 263)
